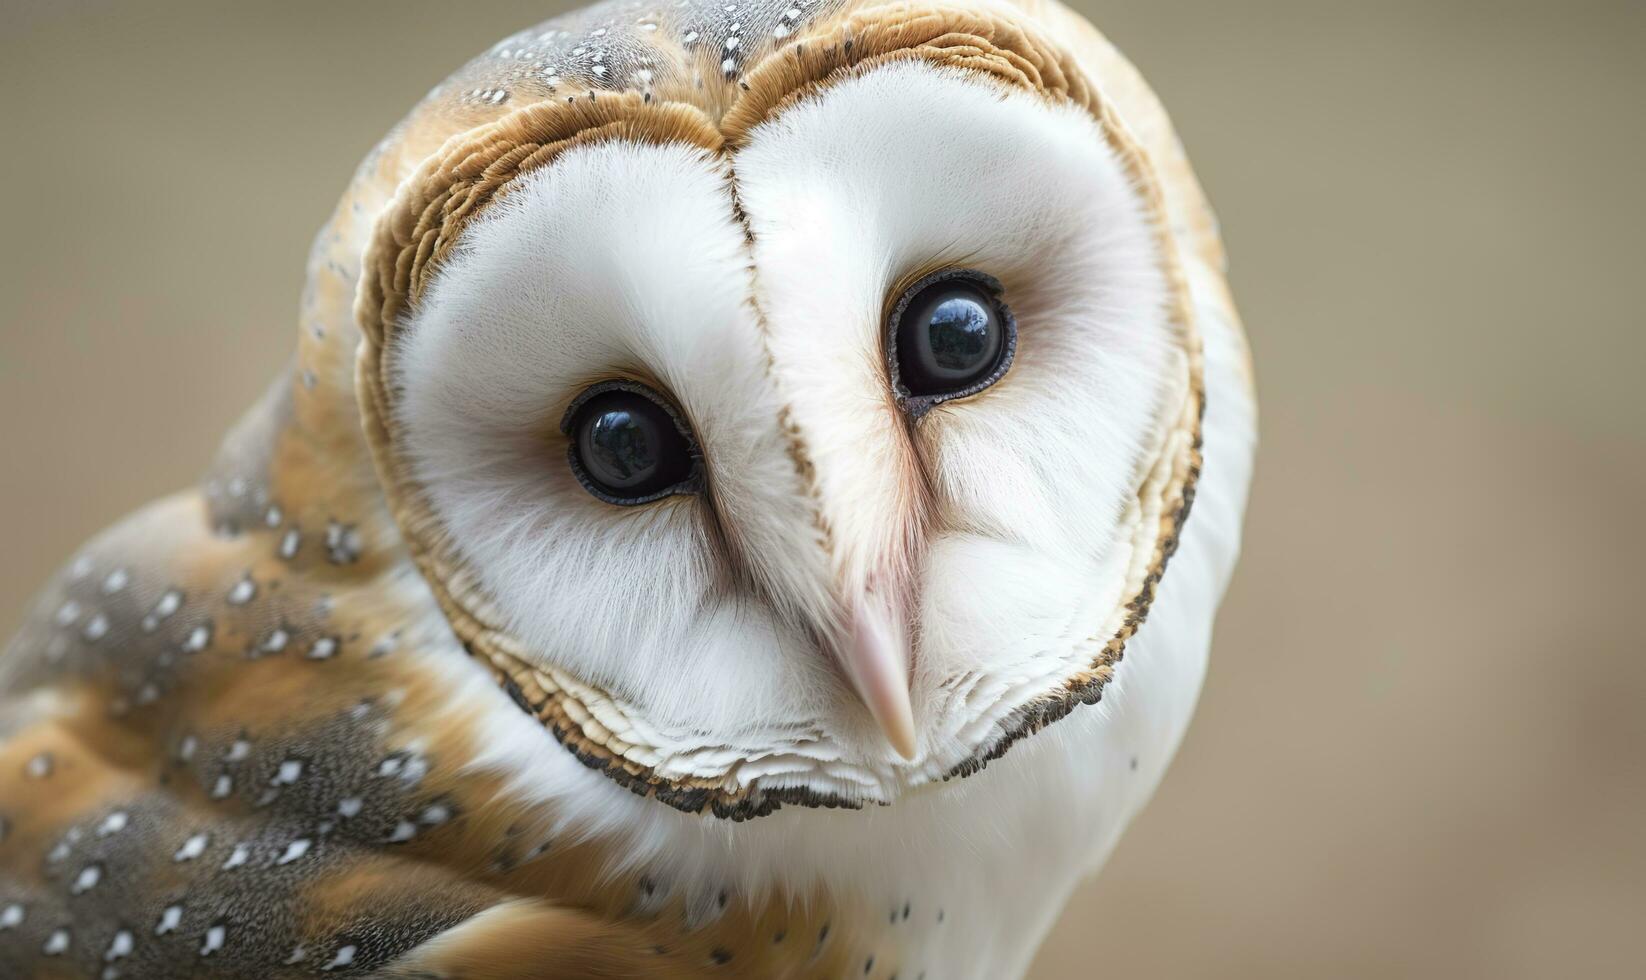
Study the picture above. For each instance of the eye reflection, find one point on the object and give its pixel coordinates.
(962, 337)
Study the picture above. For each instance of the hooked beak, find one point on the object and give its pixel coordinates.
(876, 659)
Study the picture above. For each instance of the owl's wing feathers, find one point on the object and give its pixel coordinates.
(204, 764)
(207, 769)
(201, 769)
(224, 751)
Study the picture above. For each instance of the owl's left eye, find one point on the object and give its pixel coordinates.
(629, 445)
(949, 335)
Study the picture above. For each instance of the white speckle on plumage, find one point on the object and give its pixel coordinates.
(96, 628)
(67, 613)
(87, 879)
(113, 823)
(213, 941)
(344, 957)
(243, 592)
(222, 787)
(170, 918)
(57, 943)
(415, 769)
(12, 915)
(168, 604)
(120, 946)
(239, 750)
(349, 806)
(342, 543)
(192, 848)
(115, 581)
(198, 639)
(237, 857)
(39, 766)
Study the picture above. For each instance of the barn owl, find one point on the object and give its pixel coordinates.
(728, 514)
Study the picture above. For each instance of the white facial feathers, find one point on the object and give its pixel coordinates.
(993, 519)
(616, 261)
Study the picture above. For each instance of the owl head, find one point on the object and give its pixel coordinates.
(788, 403)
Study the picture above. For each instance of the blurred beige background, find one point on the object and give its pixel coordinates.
(1420, 751)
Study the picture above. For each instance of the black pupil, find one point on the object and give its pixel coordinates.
(629, 445)
(949, 337)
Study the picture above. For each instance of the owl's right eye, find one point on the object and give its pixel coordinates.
(628, 445)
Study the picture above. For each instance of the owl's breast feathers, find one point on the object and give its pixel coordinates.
(224, 750)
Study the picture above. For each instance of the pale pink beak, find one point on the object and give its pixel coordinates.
(877, 660)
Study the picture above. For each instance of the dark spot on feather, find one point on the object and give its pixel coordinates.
(517, 695)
